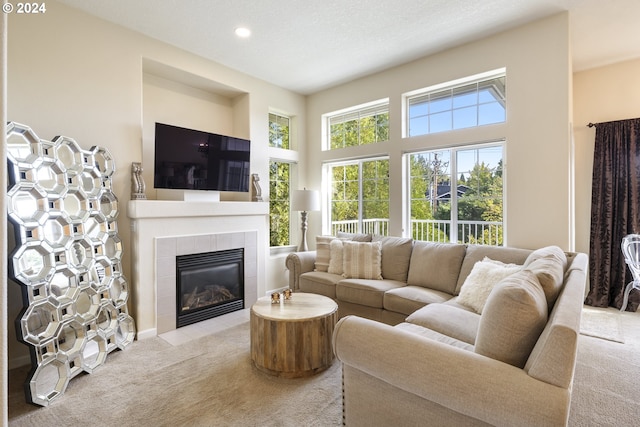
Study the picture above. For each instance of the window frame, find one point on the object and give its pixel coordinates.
(289, 156)
(455, 173)
(358, 112)
(451, 87)
(328, 176)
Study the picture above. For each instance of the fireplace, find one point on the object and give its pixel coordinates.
(209, 285)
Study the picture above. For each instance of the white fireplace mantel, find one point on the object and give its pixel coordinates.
(188, 222)
(140, 209)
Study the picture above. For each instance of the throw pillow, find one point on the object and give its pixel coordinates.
(323, 252)
(336, 259)
(362, 260)
(514, 317)
(484, 276)
(356, 237)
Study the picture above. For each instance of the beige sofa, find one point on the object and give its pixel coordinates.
(509, 361)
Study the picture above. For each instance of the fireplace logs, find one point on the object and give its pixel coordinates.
(211, 294)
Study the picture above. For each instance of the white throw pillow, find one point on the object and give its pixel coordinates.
(362, 260)
(335, 259)
(483, 277)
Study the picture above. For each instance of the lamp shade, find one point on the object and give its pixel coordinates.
(305, 200)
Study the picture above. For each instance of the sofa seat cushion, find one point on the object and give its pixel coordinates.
(408, 299)
(477, 253)
(435, 265)
(319, 282)
(449, 320)
(513, 319)
(368, 292)
(428, 333)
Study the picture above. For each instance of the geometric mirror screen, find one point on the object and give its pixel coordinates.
(66, 259)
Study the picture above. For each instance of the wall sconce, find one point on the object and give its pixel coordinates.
(305, 201)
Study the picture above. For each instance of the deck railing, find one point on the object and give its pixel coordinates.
(473, 232)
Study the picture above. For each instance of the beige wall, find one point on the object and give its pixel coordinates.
(74, 75)
(538, 157)
(600, 95)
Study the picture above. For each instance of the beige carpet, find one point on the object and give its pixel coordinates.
(602, 323)
(205, 382)
(211, 382)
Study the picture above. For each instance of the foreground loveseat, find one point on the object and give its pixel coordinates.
(449, 359)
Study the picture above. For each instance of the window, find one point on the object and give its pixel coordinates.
(279, 131)
(359, 126)
(456, 195)
(279, 203)
(359, 196)
(280, 178)
(478, 103)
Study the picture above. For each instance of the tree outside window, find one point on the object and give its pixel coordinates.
(360, 196)
(279, 183)
(279, 203)
(457, 195)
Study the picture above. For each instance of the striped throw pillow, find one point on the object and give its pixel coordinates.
(362, 260)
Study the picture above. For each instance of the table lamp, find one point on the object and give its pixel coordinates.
(305, 201)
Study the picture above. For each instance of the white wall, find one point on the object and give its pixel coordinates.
(538, 187)
(75, 75)
(600, 95)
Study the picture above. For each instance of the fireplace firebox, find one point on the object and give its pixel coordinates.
(209, 285)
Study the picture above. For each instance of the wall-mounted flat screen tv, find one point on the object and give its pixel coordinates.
(188, 159)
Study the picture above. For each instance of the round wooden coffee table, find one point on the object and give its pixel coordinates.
(292, 338)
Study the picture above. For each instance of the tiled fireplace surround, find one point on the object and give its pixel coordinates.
(167, 248)
(161, 230)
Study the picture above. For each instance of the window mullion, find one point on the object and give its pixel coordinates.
(454, 196)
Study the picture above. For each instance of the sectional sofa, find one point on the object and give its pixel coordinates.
(449, 334)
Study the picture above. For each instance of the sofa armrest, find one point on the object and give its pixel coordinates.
(460, 380)
(298, 263)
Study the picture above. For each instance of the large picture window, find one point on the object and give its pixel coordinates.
(456, 195)
(359, 196)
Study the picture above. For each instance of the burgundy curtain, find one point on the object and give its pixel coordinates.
(615, 211)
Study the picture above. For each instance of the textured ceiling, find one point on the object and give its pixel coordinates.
(307, 45)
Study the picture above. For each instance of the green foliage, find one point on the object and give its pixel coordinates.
(279, 204)
(348, 200)
(355, 131)
(279, 131)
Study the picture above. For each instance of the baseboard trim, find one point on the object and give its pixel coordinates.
(147, 333)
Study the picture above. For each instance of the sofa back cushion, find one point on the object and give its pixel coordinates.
(435, 265)
(549, 265)
(396, 254)
(477, 253)
(513, 318)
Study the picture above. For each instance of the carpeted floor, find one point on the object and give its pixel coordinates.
(210, 382)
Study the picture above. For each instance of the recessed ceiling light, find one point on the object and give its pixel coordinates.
(243, 32)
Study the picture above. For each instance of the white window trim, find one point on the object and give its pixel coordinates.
(499, 72)
(326, 118)
(454, 182)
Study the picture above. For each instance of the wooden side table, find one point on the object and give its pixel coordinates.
(292, 339)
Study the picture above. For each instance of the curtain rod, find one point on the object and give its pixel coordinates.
(591, 124)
